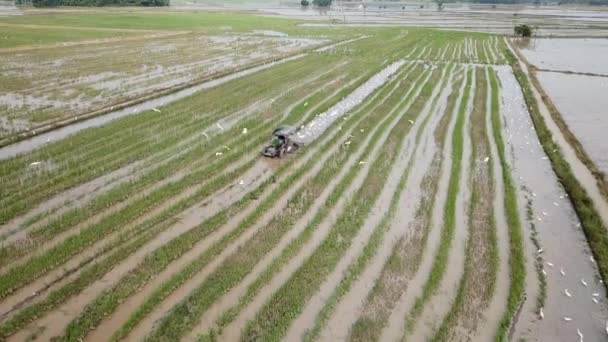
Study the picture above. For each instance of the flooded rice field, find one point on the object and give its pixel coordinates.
(43, 86)
(568, 55)
(582, 101)
(425, 202)
(570, 273)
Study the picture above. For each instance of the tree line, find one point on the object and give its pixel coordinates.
(91, 3)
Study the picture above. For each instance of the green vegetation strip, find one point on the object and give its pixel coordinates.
(593, 227)
(273, 320)
(447, 234)
(517, 267)
(377, 236)
(481, 263)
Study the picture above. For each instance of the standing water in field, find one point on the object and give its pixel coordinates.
(319, 124)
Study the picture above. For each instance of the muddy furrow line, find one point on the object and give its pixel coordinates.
(402, 262)
(495, 310)
(310, 311)
(125, 310)
(395, 327)
(409, 171)
(437, 304)
(313, 107)
(231, 258)
(252, 293)
(575, 295)
(477, 284)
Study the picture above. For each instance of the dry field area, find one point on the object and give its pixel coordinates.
(438, 196)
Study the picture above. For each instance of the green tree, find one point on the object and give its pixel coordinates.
(522, 30)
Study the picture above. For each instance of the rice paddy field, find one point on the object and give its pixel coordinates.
(439, 194)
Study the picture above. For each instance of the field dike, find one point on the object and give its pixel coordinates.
(290, 252)
(405, 256)
(441, 288)
(345, 304)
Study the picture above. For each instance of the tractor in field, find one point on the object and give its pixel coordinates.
(281, 142)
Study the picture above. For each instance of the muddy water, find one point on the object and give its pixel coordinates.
(577, 54)
(582, 101)
(317, 126)
(439, 305)
(394, 329)
(350, 306)
(58, 134)
(563, 242)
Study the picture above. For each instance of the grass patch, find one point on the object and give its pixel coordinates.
(517, 263)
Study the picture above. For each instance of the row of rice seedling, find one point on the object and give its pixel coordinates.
(477, 284)
(426, 103)
(407, 252)
(517, 269)
(272, 321)
(449, 216)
